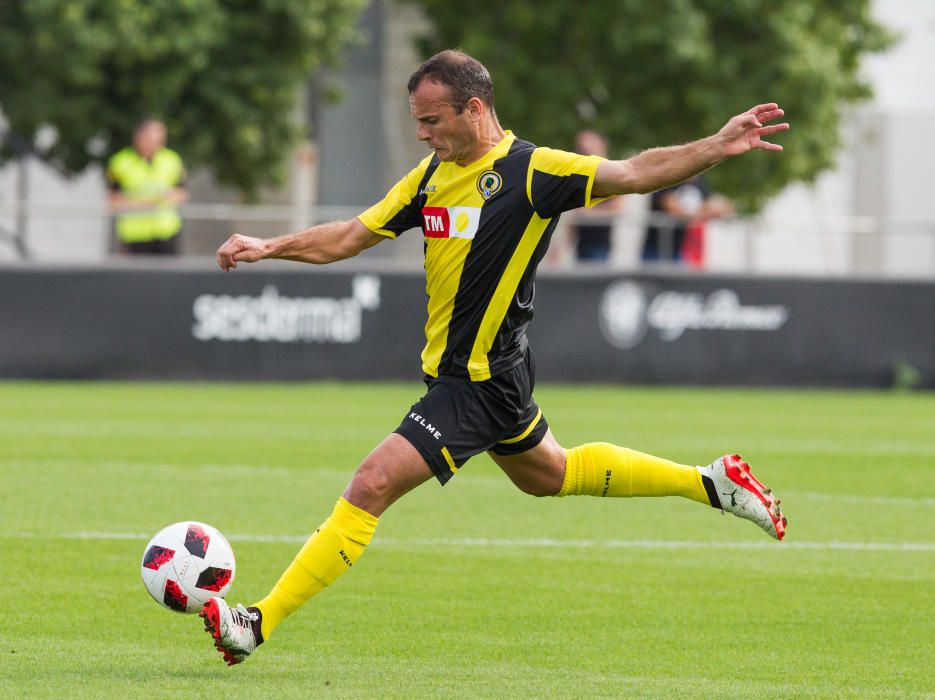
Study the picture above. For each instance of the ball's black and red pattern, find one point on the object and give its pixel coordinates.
(174, 598)
(156, 556)
(213, 579)
(197, 540)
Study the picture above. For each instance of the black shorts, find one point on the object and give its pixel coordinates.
(458, 418)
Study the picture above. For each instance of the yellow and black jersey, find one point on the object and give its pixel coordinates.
(486, 227)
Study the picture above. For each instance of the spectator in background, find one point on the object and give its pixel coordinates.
(147, 184)
(675, 231)
(592, 229)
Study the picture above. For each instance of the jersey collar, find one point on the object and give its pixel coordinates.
(498, 151)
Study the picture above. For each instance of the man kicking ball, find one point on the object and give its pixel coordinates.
(487, 203)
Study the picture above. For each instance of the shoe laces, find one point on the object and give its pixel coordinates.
(243, 617)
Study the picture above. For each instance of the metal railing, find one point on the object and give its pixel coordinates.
(843, 245)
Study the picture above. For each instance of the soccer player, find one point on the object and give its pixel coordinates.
(487, 203)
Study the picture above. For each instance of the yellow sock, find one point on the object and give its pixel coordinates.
(328, 553)
(602, 469)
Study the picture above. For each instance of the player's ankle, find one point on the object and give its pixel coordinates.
(257, 624)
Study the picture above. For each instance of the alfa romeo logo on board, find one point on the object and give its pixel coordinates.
(627, 312)
(623, 314)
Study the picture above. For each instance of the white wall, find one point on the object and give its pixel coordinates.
(71, 224)
(883, 173)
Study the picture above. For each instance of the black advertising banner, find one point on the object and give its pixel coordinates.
(249, 324)
(735, 330)
(296, 322)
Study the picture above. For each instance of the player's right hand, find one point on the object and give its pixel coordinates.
(745, 131)
(239, 248)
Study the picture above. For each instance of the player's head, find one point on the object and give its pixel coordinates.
(450, 95)
(464, 76)
(149, 136)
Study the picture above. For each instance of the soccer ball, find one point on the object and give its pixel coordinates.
(187, 563)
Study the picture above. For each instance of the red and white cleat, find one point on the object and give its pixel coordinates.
(236, 631)
(732, 488)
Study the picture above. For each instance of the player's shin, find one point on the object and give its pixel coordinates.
(328, 553)
(602, 469)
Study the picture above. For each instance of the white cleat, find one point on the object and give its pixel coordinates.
(731, 486)
(236, 631)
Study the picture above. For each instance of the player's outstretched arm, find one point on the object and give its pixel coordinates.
(658, 168)
(320, 244)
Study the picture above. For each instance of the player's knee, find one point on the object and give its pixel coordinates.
(547, 479)
(371, 486)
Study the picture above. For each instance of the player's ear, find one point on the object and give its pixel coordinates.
(475, 108)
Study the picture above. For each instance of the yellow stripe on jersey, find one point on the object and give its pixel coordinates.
(444, 263)
(478, 366)
(378, 217)
(522, 435)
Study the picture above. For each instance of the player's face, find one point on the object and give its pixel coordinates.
(451, 135)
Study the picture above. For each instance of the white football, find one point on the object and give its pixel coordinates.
(187, 563)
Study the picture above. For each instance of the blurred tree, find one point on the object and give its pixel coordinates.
(669, 71)
(224, 75)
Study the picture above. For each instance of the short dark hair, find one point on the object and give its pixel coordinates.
(145, 121)
(463, 75)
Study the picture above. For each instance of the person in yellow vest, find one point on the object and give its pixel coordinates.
(146, 185)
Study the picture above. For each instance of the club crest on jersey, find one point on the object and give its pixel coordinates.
(489, 183)
(450, 222)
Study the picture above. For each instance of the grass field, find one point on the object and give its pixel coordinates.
(474, 590)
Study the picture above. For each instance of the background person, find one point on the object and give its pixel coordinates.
(592, 228)
(146, 185)
(677, 217)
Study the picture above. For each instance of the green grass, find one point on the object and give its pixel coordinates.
(530, 598)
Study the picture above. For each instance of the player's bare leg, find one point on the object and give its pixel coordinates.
(539, 471)
(393, 469)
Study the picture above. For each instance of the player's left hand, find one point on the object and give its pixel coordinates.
(239, 248)
(745, 132)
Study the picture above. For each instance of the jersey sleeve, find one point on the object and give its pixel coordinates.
(401, 208)
(559, 181)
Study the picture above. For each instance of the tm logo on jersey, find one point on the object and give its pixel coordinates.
(450, 222)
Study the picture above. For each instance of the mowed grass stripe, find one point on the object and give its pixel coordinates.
(254, 470)
(546, 543)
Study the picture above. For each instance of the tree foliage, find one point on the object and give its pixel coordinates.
(223, 74)
(669, 71)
